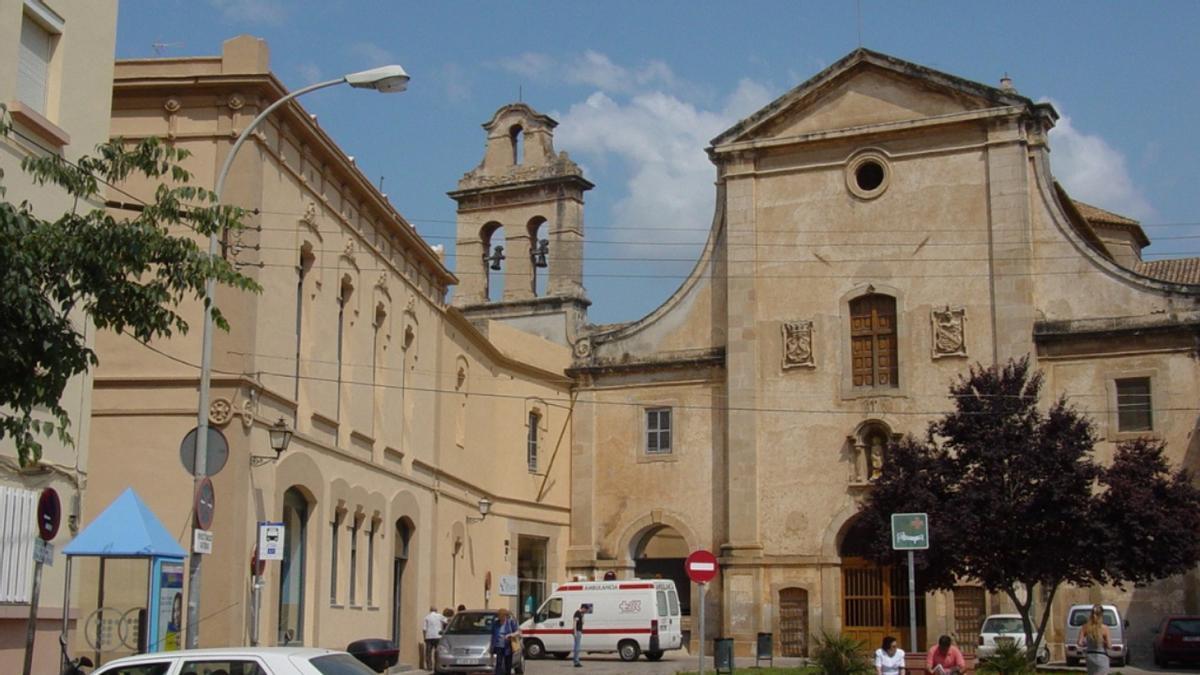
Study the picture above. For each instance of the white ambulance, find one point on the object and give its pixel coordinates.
(630, 617)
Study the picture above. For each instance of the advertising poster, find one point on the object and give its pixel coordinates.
(170, 607)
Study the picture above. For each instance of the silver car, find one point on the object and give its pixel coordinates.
(466, 644)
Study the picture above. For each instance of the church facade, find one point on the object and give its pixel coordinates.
(877, 230)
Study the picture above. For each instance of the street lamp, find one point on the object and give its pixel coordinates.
(280, 436)
(485, 506)
(386, 79)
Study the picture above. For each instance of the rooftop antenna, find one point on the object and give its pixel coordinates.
(160, 47)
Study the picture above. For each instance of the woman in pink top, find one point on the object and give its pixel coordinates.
(945, 659)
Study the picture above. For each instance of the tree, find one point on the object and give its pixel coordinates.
(125, 275)
(1016, 500)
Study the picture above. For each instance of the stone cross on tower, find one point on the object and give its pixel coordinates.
(535, 198)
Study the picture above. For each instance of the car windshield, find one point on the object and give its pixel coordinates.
(1080, 617)
(1003, 624)
(1184, 627)
(471, 623)
(339, 664)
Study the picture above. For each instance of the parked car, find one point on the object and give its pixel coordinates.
(466, 644)
(1118, 649)
(378, 654)
(239, 661)
(1178, 639)
(1000, 629)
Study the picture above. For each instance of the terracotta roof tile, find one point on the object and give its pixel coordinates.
(1174, 270)
(1099, 215)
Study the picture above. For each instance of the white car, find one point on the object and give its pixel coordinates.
(239, 661)
(999, 629)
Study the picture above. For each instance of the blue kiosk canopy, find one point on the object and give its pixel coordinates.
(126, 529)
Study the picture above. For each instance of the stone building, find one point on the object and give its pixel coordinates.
(406, 416)
(877, 229)
(56, 82)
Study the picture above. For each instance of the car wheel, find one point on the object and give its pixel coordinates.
(534, 649)
(1043, 656)
(628, 650)
(654, 655)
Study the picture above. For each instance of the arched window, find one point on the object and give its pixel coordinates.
(539, 254)
(344, 294)
(302, 271)
(873, 343)
(515, 134)
(493, 260)
(291, 569)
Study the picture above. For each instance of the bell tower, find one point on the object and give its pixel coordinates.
(520, 230)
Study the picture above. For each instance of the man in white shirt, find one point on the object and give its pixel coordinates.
(435, 623)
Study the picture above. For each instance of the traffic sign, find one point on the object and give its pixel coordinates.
(270, 541)
(49, 514)
(205, 503)
(216, 455)
(43, 552)
(701, 566)
(202, 541)
(910, 531)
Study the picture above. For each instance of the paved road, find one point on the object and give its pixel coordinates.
(671, 663)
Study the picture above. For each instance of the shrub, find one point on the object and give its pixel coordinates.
(841, 655)
(1009, 659)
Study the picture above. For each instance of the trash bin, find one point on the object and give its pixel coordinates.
(376, 653)
(764, 649)
(723, 655)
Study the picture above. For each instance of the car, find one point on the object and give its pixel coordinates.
(1178, 639)
(1118, 649)
(466, 645)
(999, 629)
(239, 661)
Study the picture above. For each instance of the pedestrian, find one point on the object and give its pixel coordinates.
(504, 630)
(435, 623)
(461, 608)
(1095, 641)
(578, 633)
(448, 614)
(889, 659)
(945, 659)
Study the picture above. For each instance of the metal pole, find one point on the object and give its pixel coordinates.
(62, 638)
(701, 650)
(912, 603)
(210, 287)
(31, 627)
(255, 607)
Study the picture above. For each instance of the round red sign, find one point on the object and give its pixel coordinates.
(701, 566)
(49, 514)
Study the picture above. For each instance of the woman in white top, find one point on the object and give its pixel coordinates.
(889, 659)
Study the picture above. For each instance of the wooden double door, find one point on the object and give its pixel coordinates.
(875, 604)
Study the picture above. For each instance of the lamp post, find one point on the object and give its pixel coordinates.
(386, 79)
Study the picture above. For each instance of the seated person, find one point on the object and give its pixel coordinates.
(945, 659)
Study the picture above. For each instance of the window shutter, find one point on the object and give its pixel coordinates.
(18, 529)
(33, 65)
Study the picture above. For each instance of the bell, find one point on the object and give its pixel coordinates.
(540, 253)
(497, 256)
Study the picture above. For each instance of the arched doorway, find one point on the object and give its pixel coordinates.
(875, 597)
(793, 622)
(401, 538)
(659, 554)
(296, 508)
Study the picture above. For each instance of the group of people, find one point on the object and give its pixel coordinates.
(435, 623)
(946, 659)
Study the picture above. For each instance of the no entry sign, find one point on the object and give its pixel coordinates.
(701, 566)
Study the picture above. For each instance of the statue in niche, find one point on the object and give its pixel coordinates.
(949, 332)
(798, 344)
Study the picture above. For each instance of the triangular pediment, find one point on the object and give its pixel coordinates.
(863, 89)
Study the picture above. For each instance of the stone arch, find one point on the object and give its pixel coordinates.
(870, 440)
(831, 542)
(493, 260)
(293, 592)
(667, 563)
(655, 520)
(539, 253)
(516, 137)
(403, 601)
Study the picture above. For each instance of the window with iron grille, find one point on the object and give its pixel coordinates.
(873, 343)
(531, 445)
(658, 431)
(1134, 409)
(18, 529)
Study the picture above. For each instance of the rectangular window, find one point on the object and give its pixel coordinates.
(531, 445)
(873, 344)
(354, 563)
(658, 431)
(333, 560)
(1134, 409)
(33, 64)
(18, 529)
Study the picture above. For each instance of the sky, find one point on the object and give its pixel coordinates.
(640, 88)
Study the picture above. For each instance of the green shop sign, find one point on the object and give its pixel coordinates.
(910, 531)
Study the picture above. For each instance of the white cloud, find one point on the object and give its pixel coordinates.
(660, 140)
(371, 55)
(251, 11)
(310, 73)
(1095, 172)
(530, 64)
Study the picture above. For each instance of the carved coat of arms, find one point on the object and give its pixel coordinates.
(798, 344)
(949, 331)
